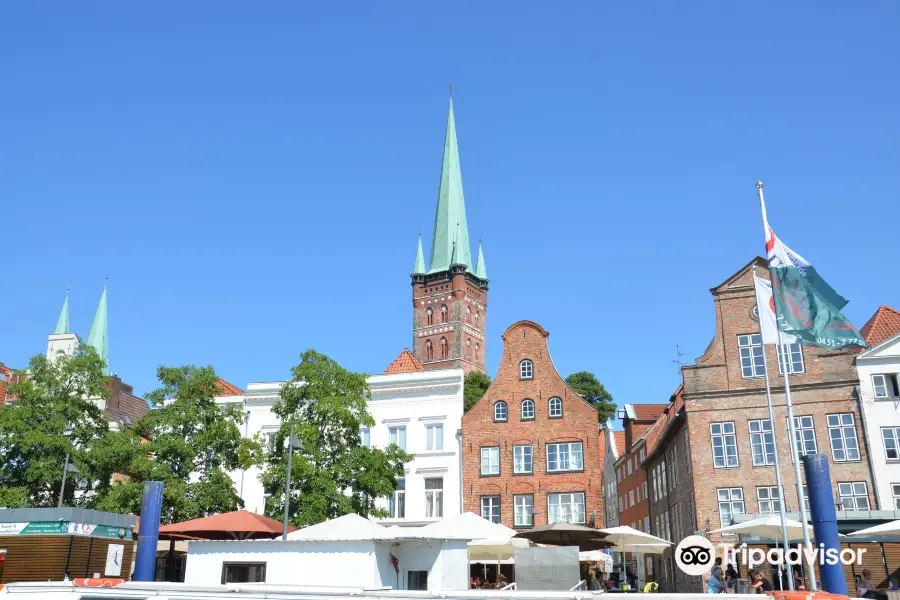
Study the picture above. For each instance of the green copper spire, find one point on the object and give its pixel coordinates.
(62, 324)
(419, 267)
(450, 216)
(97, 337)
(480, 269)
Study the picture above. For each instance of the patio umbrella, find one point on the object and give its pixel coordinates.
(237, 525)
(892, 528)
(622, 538)
(767, 527)
(566, 534)
(598, 557)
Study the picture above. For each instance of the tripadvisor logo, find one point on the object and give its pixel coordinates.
(695, 555)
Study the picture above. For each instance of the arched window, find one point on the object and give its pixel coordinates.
(468, 348)
(429, 350)
(444, 349)
(445, 315)
(429, 316)
(527, 408)
(477, 317)
(468, 314)
(555, 408)
(526, 369)
(477, 349)
(501, 411)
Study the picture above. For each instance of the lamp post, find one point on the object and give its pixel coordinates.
(292, 444)
(67, 468)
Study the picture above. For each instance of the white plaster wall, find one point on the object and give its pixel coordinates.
(447, 563)
(455, 569)
(878, 413)
(350, 564)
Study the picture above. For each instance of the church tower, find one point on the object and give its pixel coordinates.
(450, 295)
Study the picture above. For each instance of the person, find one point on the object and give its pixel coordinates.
(759, 583)
(651, 586)
(593, 584)
(610, 584)
(892, 584)
(731, 577)
(867, 588)
(715, 585)
(501, 581)
(798, 581)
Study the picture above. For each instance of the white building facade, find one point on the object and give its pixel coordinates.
(421, 411)
(879, 385)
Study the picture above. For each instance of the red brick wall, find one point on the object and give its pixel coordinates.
(633, 516)
(528, 340)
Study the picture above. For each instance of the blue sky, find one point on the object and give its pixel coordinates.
(252, 177)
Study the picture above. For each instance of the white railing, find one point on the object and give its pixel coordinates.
(579, 587)
(511, 586)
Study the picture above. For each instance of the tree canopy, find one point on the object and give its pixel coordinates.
(587, 385)
(333, 473)
(188, 441)
(475, 385)
(55, 413)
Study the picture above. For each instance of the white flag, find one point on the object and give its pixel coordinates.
(765, 307)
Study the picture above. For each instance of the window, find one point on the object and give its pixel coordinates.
(417, 581)
(397, 502)
(886, 385)
(891, 437)
(526, 369)
(555, 408)
(644, 485)
(490, 508)
(501, 411)
(806, 499)
(731, 502)
(631, 498)
(445, 314)
(751, 351)
(445, 351)
(434, 437)
(490, 460)
(842, 433)
(271, 439)
(523, 460)
(527, 408)
(792, 356)
(477, 317)
(769, 500)
(524, 504)
(895, 492)
(398, 436)
(854, 495)
(477, 348)
(468, 348)
(434, 497)
(365, 439)
(805, 438)
(254, 572)
(429, 316)
(565, 508)
(629, 466)
(724, 445)
(564, 457)
(646, 524)
(429, 350)
(468, 314)
(762, 442)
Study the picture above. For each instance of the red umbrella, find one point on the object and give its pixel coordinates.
(237, 525)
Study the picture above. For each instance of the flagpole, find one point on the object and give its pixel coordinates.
(791, 427)
(781, 495)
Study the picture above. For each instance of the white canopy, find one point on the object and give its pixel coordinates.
(768, 527)
(351, 527)
(892, 528)
(629, 539)
(597, 556)
(466, 526)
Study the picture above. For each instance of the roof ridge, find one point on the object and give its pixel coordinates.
(882, 325)
(406, 362)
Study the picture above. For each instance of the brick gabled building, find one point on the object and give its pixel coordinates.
(531, 446)
(449, 295)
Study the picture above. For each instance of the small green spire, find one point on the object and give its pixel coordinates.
(450, 216)
(480, 269)
(62, 324)
(98, 337)
(419, 267)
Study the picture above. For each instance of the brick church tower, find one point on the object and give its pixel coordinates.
(450, 297)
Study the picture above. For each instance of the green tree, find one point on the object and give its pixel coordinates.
(55, 414)
(188, 441)
(475, 385)
(589, 388)
(333, 473)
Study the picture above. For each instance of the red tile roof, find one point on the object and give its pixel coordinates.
(228, 389)
(648, 412)
(883, 325)
(405, 363)
(619, 437)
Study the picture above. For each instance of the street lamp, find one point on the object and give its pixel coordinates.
(292, 444)
(67, 468)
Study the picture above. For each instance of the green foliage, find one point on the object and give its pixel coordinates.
(586, 384)
(333, 473)
(475, 385)
(187, 441)
(55, 413)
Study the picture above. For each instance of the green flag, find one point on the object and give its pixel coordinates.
(805, 305)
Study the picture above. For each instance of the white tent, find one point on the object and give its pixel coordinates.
(489, 541)
(351, 527)
(767, 527)
(892, 528)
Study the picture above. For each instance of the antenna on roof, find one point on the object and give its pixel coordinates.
(678, 355)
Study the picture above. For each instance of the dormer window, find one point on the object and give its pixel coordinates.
(526, 369)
